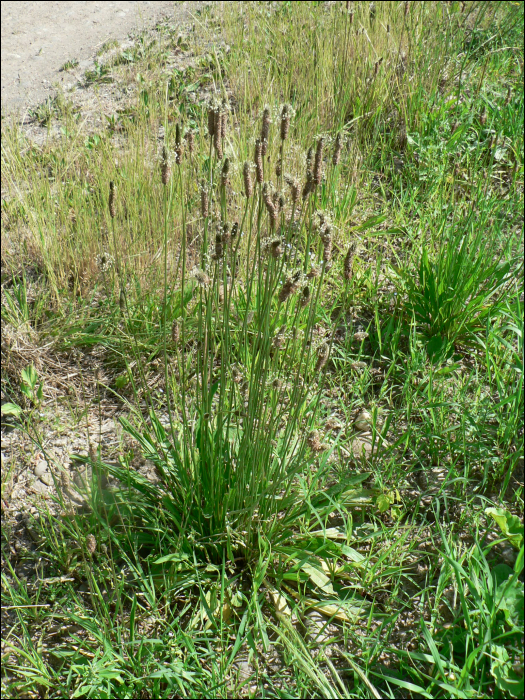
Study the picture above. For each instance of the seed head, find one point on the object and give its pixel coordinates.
(190, 140)
(248, 184)
(314, 272)
(313, 441)
(294, 189)
(309, 158)
(337, 149)
(318, 163)
(104, 262)
(349, 258)
(235, 230)
(285, 122)
(91, 544)
(64, 480)
(122, 301)
(175, 333)
(277, 384)
(211, 121)
(322, 357)
(279, 167)
(326, 237)
(217, 133)
(278, 340)
(309, 184)
(225, 171)
(179, 145)
(200, 277)
(236, 375)
(219, 249)
(265, 130)
(224, 119)
(290, 286)
(112, 198)
(305, 296)
(276, 248)
(258, 161)
(165, 166)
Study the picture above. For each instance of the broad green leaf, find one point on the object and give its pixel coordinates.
(11, 409)
(509, 524)
(318, 577)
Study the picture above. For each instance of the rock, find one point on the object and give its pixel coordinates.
(47, 478)
(39, 487)
(40, 468)
(361, 449)
(363, 420)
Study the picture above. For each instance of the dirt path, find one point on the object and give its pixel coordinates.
(39, 37)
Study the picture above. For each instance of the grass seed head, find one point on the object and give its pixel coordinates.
(337, 149)
(279, 338)
(285, 122)
(259, 162)
(313, 441)
(276, 248)
(91, 544)
(175, 333)
(322, 357)
(224, 119)
(105, 262)
(248, 184)
(217, 133)
(112, 200)
(295, 187)
(219, 249)
(305, 296)
(347, 267)
(165, 166)
(200, 277)
(211, 121)
(225, 171)
(179, 145)
(190, 141)
(318, 163)
(290, 286)
(308, 185)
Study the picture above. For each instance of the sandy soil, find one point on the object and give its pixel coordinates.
(39, 37)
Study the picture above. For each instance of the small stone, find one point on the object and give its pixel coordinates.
(363, 420)
(47, 478)
(361, 449)
(40, 468)
(39, 487)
